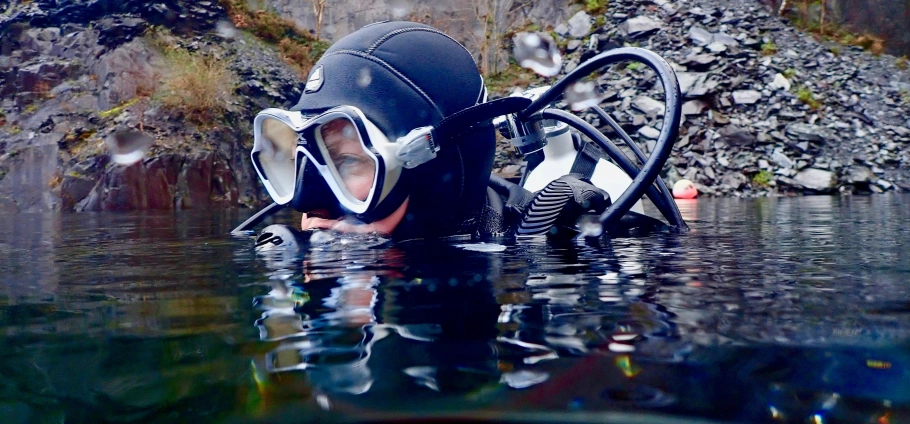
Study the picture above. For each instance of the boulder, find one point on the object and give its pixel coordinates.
(816, 179)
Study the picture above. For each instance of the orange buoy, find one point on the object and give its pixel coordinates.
(684, 189)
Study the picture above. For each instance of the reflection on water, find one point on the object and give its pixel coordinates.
(769, 310)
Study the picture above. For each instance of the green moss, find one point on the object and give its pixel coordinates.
(117, 110)
(789, 73)
(902, 63)
(634, 66)
(769, 48)
(594, 7)
(513, 75)
(762, 178)
(805, 95)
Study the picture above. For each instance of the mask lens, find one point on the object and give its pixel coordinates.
(276, 155)
(355, 167)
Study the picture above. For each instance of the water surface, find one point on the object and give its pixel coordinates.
(769, 310)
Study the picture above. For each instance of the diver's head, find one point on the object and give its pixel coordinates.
(358, 144)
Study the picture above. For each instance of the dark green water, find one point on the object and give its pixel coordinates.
(771, 310)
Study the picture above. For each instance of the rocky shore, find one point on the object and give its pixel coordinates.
(768, 111)
(74, 73)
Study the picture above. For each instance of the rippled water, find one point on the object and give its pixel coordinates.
(770, 310)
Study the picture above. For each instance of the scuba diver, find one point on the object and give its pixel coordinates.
(394, 135)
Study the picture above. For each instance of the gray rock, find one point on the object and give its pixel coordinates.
(649, 106)
(734, 180)
(694, 107)
(725, 39)
(700, 36)
(780, 83)
(580, 24)
(782, 160)
(806, 132)
(815, 179)
(737, 136)
(859, 175)
(573, 45)
(639, 27)
(746, 97)
(716, 47)
(700, 59)
(649, 132)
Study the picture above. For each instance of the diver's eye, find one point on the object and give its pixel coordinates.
(349, 165)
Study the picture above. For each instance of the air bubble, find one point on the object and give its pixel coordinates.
(364, 78)
(128, 146)
(582, 95)
(590, 226)
(400, 8)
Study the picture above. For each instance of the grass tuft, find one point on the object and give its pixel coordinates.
(762, 178)
(805, 95)
(199, 87)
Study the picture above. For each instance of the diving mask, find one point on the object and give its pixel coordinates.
(355, 160)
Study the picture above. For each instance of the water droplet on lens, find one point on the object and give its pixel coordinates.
(590, 226)
(128, 146)
(364, 78)
(582, 95)
(538, 52)
(400, 8)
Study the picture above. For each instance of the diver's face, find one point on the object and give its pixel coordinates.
(357, 172)
(354, 166)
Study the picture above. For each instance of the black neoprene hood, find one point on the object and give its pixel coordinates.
(402, 76)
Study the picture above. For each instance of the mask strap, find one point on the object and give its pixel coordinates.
(421, 144)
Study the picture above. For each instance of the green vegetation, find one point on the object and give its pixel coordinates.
(801, 14)
(594, 7)
(769, 48)
(762, 178)
(513, 75)
(117, 110)
(902, 63)
(197, 86)
(298, 48)
(805, 95)
(634, 66)
(789, 73)
(2, 118)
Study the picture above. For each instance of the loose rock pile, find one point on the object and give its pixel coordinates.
(768, 110)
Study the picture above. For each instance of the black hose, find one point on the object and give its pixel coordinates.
(257, 218)
(669, 132)
(661, 186)
(660, 201)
